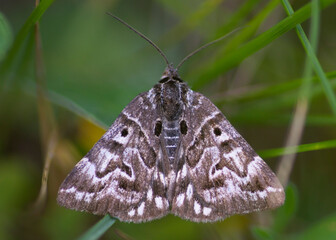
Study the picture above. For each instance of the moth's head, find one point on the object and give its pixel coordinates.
(170, 74)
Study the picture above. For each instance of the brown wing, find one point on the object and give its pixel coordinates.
(119, 176)
(221, 175)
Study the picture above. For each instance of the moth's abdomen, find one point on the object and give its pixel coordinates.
(171, 135)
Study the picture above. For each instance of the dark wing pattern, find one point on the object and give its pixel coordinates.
(221, 175)
(119, 176)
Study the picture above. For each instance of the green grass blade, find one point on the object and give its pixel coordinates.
(21, 36)
(209, 71)
(314, 33)
(298, 149)
(68, 104)
(249, 31)
(6, 35)
(265, 108)
(277, 119)
(269, 91)
(236, 19)
(314, 61)
(321, 120)
(72, 106)
(99, 229)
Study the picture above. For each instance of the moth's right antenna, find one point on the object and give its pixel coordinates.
(141, 35)
(206, 45)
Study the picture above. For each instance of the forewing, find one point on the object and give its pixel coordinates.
(222, 175)
(119, 176)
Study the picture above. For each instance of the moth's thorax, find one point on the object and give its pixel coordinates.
(171, 100)
(170, 94)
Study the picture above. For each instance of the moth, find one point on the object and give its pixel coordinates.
(171, 150)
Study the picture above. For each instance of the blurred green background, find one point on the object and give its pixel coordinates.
(92, 67)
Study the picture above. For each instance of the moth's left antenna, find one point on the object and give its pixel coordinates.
(141, 35)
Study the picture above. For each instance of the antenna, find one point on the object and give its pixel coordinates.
(206, 45)
(141, 35)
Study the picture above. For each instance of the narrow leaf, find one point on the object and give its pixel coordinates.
(298, 149)
(6, 35)
(21, 36)
(99, 229)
